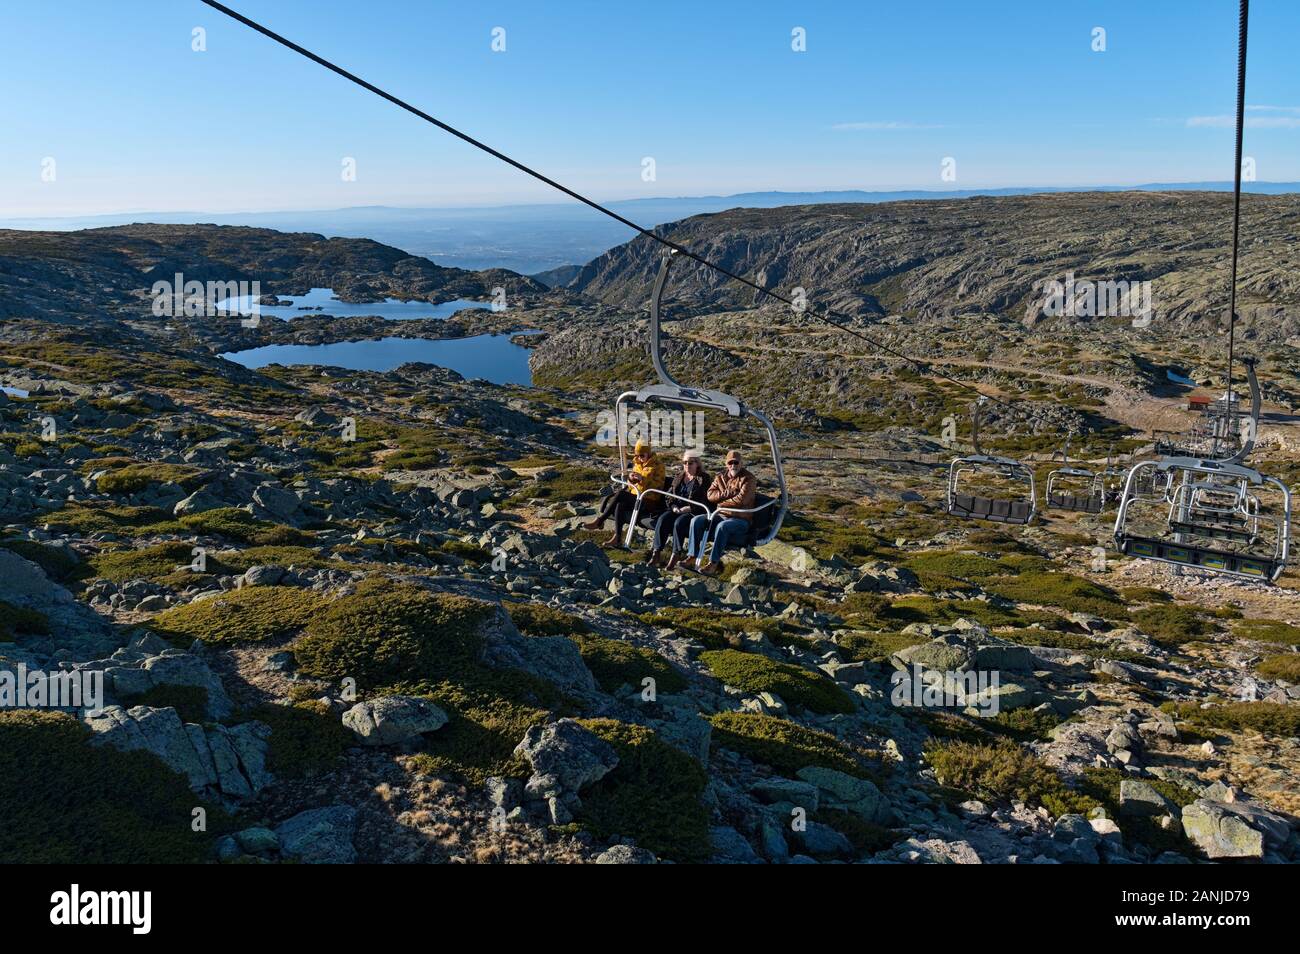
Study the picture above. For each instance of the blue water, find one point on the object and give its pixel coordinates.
(1179, 378)
(14, 392)
(492, 357)
(329, 305)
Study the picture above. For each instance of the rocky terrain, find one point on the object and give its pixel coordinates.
(394, 641)
(984, 256)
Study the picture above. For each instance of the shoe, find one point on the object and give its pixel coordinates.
(612, 541)
(673, 561)
(652, 558)
(711, 569)
(593, 524)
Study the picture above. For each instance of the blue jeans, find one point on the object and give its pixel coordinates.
(725, 532)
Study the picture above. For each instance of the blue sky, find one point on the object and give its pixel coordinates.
(135, 120)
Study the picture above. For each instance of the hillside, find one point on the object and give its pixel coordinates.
(984, 257)
(66, 275)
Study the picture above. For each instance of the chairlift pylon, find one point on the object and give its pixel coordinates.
(974, 506)
(768, 512)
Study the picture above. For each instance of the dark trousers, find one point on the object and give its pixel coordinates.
(674, 526)
(619, 506)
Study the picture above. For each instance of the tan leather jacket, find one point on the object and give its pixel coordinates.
(738, 491)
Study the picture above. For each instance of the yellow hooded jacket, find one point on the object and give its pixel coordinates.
(651, 468)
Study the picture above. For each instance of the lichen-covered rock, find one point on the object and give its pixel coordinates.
(392, 720)
(564, 757)
(321, 836)
(220, 761)
(1221, 832)
(849, 793)
(626, 855)
(553, 658)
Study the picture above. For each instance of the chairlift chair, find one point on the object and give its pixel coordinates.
(1074, 488)
(972, 506)
(768, 512)
(1214, 513)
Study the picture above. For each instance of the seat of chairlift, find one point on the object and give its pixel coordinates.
(1208, 558)
(988, 508)
(1083, 503)
(1218, 531)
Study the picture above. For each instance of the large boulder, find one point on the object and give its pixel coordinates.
(848, 793)
(1137, 798)
(73, 626)
(278, 503)
(321, 836)
(553, 658)
(564, 757)
(218, 761)
(1220, 831)
(393, 720)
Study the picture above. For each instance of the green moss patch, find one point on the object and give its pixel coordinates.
(241, 526)
(798, 687)
(131, 478)
(1172, 625)
(714, 628)
(1002, 771)
(1266, 718)
(305, 738)
(65, 801)
(146, 563)
(537, 619)
(387, 633)
(1268, 631)
(578, 484)
(479, 739)
(1285, 667)
(1071, 593)
(615, 663)
(20, 619)
(253, 614)
(786, 746)
(652, 795)
(98, 518)
(862, 646)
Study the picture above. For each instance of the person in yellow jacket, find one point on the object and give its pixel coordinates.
(647, 473)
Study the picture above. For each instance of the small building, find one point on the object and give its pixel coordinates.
(1198, 402)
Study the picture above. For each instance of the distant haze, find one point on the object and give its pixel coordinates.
(536, 238)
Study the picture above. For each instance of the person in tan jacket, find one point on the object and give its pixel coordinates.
(733, 488)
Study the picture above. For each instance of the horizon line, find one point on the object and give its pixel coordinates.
(974, 191)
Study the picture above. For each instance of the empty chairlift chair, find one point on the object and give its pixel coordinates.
(769, 511)
(966, 502)
(1074, 488)
(1215, 515)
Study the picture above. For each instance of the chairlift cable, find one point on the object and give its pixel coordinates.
(825, 314)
